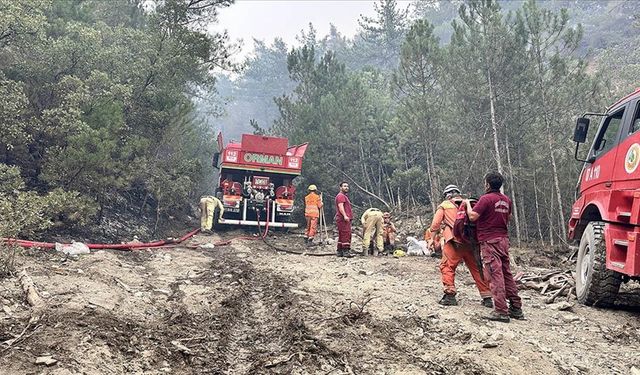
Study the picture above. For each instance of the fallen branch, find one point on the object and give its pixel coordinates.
(573, 254)
(360, 187)
(9, 343)
(552, 284)
(281, 361)
(353, 313)
(33, 298)
(181, 347)
(556, 294)
(123, 285)
(571, 290)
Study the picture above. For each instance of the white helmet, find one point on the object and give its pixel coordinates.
(451, 189)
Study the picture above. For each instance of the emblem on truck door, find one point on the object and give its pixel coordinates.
(632, 159)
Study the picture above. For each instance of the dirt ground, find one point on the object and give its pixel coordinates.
(245, 309)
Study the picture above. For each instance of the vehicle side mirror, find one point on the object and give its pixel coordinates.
(215, 160)
(581, 130)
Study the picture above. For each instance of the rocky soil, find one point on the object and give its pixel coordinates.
(245, 309)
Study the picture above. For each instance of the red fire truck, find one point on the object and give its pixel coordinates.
(255, 182)
(606, 214)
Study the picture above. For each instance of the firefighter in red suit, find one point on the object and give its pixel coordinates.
(343, 218)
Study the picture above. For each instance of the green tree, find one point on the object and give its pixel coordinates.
(339, 116)
(382, 35)
(419, 94)
(95, 93)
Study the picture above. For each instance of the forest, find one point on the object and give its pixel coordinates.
(109, 110)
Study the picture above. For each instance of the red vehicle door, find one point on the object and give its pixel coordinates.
(598, 175)
(627, 170)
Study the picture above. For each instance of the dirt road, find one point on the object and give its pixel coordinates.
(244, 309)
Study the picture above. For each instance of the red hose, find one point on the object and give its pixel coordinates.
(128, 246)
(120, 246)
(266, 225)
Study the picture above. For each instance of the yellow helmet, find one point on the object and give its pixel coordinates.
(399, 253)
(312, 187)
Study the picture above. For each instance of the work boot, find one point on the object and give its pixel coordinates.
(516, 313)
(388, 248)
(497, 317)
(339, 253)
(448, 300)
(487, 302)
(347, 253)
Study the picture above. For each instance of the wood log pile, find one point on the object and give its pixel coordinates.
(553, 284)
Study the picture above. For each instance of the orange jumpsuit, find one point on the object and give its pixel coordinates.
(389, 233)
(454, 253)
(312, 205)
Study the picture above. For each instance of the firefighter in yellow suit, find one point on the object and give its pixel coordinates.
(208, 205)
(372, 221)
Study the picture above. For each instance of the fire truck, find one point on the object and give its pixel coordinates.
(605, 217)
(255, 182)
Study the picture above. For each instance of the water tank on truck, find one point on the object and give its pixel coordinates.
(255, 182)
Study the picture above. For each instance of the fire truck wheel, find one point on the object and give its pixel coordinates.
(595, 284)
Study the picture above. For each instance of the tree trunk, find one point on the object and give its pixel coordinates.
(523, 213)
(431, 180)
(514, 199)
(144, 203)
(550, 214)
(436, 179)
(535, 196)
(556, 180)
(155, 227)
(494, 124)
(523, 218)
(547, 124)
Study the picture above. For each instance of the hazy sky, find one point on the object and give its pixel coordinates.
(267, 19)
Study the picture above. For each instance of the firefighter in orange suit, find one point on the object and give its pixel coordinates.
(454, 252)
(312, 206)
(389, 233)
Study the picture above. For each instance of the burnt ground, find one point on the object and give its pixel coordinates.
(245, 309)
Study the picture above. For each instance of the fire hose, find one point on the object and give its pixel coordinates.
(276, 248)
(122, 246)
(169, 243)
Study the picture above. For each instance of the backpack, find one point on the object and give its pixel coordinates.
(464, 231)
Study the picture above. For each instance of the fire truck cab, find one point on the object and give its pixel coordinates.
(605, 217)
(255, 183)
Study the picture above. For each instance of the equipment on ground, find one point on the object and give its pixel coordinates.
(255, 182)
(605, 217)
(322, 223)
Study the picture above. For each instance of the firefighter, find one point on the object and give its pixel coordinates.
(491, 215)
(312, 206)
(227, 186)
(455, 252)
(343, 218)
(372, 224)
(208, 205)
(389, 233)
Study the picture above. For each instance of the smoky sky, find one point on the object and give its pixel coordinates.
(268, 19)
